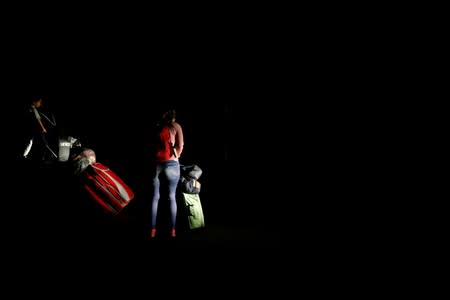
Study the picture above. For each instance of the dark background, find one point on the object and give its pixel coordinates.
(107, 96)
(104, 78)
(229, 141)
(280, 96)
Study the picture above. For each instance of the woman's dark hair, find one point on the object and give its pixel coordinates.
(169, 115)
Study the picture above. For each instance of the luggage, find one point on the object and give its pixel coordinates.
(82, 158)
(189, 188)
(189, 179)
(66, 145)
(194, 210)
(106, 188)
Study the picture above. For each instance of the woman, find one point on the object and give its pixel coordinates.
(167, 146)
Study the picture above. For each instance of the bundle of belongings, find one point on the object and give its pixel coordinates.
(189, 188)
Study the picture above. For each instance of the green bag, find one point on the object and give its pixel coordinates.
(194, 210)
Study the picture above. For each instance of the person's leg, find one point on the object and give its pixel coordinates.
(38, 150)
(47, 152)
(156, 195)
(172, 173)
(28, 148)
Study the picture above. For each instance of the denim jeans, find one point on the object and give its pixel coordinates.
(170, 172)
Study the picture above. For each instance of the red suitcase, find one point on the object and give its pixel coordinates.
(106, 188)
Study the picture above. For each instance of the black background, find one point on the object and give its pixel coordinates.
(104, 87)
(282, 96)
(251, 104)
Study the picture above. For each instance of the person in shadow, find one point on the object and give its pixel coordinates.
(36, 146)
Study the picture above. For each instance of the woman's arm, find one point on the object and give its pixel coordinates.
(38, 118)
(43, 130)
(179, 139)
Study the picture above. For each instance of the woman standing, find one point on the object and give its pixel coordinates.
(167, 147)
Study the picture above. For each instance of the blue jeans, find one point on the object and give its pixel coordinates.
(170, 170)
